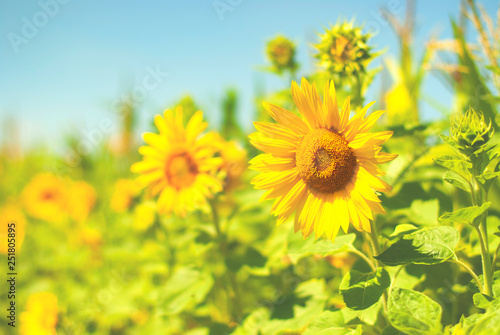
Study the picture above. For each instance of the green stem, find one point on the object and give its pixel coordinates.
(170, 248)
(376, 251)
(472, 193)
(485, 250)
(234, 294)
(395, 276)
(364, 257)
(359, 88)
(495, 258)
(374, 240)
(215, 216)
(480, 195)
(485, 258)
(472, 273)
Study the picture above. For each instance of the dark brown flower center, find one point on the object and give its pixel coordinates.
(325, 162)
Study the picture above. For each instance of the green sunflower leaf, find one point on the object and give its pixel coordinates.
(496, 284)
(488, 178)
(298, 247)
(455, 163)
(186, 288)
(456, 180)
(470, 215)
(481, 300)
(362, 290)
(329, 323)
(486, 323)
(414, 313)
(426, 246)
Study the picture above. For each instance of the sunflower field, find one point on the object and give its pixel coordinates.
(334, 215)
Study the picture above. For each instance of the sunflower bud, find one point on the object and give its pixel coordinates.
(281, 52)
(344, 50)
(470, 131)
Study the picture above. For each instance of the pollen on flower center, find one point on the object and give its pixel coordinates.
(325, 162)
(181, 170)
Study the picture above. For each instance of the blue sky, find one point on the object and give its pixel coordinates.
(79, 61)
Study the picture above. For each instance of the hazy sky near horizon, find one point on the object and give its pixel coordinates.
(65, 63)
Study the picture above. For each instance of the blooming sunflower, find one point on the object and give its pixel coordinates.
(40, 316)
(178, 163)
(322, 166)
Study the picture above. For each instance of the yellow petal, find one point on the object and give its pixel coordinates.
(308, 102)
(273, 179)
(273, 146)
(146, 166)
(373, 181)
(345, 113)
(156, 141)
(195, 126)
(341, 210)
(354, 124)
(166, 200)
(330, 107)
(268, 163)
(276, 131)
(287, 119)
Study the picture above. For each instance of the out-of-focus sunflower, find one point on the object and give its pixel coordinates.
(11, 213)
(281, 52)
(323, 166)
(343, 49)
(124, 193)
(45, 197)
(91, 237)
(40, 317)
(81, 199)
(178, 163)
(234, 162)
(144, 216)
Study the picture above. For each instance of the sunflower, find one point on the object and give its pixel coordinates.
(281, 52)
(125, 191)
(81, 199)
(40, 316)
(45, 198)
(234, 162)
(322, 166)
(178, 163)
(344, 49)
